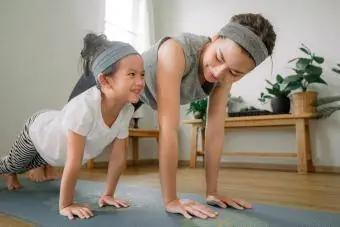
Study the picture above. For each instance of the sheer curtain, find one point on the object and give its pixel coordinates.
(131, 21)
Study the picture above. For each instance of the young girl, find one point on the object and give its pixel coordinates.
(183, 69)
(84, 126)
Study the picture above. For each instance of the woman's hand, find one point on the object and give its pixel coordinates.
(109, 200)
(224, 202)
(189, 208)
(82, 211)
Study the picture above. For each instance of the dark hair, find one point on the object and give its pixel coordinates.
(260, 26)
(94, 45)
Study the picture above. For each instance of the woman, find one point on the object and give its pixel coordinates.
(179, 70)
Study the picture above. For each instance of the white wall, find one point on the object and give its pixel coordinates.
(312, 22)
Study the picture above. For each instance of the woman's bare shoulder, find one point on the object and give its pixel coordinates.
(171, 56)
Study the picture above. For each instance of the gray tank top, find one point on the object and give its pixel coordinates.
(191, 88)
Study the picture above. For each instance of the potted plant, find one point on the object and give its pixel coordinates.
(279, 101)
(326, 111)
(307, 71)
(199, 109)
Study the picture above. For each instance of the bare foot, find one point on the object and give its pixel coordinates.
(50, 173)
(13, 182)
(37, 174)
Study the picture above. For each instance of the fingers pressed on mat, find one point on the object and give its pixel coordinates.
(196, 212)
(185, 213)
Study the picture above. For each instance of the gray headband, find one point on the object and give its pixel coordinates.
(247, 39)
(117, 51)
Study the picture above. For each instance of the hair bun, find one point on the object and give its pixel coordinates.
(92, 43)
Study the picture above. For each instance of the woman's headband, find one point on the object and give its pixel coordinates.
(247, 39)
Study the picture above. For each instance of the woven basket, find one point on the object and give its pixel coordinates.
(303, 102)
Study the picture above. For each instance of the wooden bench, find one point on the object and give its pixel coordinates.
(134, 135)
(300, 122)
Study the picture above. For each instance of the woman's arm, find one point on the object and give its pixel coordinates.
(75, 151)
(170, 68)
(214, 147)
(215, 135)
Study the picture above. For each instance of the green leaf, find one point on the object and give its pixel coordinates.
(304, 50)
(318, 59)
(276, 88)
(302, 63)
(336, 70)
(304, 46)
(270, 91)
(314, 79)
(269, 82)
(292, 60)
(286, 92)
(338, 65)
(298, 71)
(279, 78)
(293, 85)
(293, 78)
(315, 70)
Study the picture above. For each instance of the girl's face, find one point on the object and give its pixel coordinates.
(127, 82)
(225, 60)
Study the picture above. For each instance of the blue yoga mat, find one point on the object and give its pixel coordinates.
(37, 203)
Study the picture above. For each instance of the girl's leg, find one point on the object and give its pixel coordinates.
(22, 157)
(43, 172)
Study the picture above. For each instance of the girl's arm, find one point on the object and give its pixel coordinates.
(170, 69)
(117, 163)
(75, 151)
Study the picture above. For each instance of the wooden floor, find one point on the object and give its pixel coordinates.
(313, 191)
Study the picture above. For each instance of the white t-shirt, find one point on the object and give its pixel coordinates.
(83, 116)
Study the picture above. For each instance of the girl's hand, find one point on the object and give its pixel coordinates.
(109, 200)
(224, 202)
(189, 208)
(82, 211)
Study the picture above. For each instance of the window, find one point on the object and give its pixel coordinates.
(129, 21)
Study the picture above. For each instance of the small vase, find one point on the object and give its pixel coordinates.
(303, 102)
(280, 104)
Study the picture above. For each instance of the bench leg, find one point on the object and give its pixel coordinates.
(135, 150)
(303, 148)
(310, 165)
(90, 164)
(203, 144)
(193, 156)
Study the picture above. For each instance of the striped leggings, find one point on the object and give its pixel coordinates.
(23, 155)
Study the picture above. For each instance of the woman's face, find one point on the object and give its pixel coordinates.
(225, 60)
